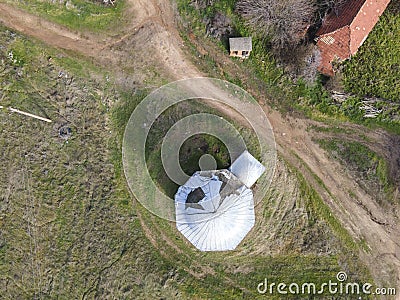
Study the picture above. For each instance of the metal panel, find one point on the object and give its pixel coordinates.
(222, 222)
(247, 169)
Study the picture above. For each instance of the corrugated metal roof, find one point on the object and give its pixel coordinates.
(240, 44)
(223, 230)
(210, 187)
(341, 16)
(224, 216)
(224, 211)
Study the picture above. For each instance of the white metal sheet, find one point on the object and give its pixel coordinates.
(247, 169)
(222, 223)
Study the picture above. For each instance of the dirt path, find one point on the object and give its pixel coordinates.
(361, 216)
(46, 31)
(149, 29)
(152, 30)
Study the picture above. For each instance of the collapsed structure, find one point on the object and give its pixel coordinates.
(215, 209)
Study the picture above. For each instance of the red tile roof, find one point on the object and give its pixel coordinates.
(341, 16)
(335, 46)
(344, 30)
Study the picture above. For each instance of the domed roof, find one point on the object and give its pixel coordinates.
(214, 210)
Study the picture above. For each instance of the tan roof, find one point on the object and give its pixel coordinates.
(240, 44)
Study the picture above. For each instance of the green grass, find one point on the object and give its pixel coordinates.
(317, 208)
(369, 169)
(223, 282)
(198, 145)
(65, 209)
(190, 153)
(375, 69)
(357, 157)
(78, 14)
(331, 129)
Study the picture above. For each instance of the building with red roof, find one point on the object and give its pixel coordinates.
(345, 29)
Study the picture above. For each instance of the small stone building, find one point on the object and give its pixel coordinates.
(345, 29)
(240, 47)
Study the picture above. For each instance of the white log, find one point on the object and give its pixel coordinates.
(28, 114)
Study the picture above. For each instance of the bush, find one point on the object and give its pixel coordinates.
(283, 23)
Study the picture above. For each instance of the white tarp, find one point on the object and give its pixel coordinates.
(247, 169)
(220, 223)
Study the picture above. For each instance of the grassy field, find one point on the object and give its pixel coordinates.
(213, 275)
(69, 227)
(292, 257)
(77, 14)
(375, 69)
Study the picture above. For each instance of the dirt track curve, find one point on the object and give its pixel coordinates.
(154, 20)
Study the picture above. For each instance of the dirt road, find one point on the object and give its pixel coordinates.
(152, 30)
(149, 31)
(46, 31)
(361, 216)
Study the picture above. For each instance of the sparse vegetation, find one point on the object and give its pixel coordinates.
(366, 167)
(68, 228)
